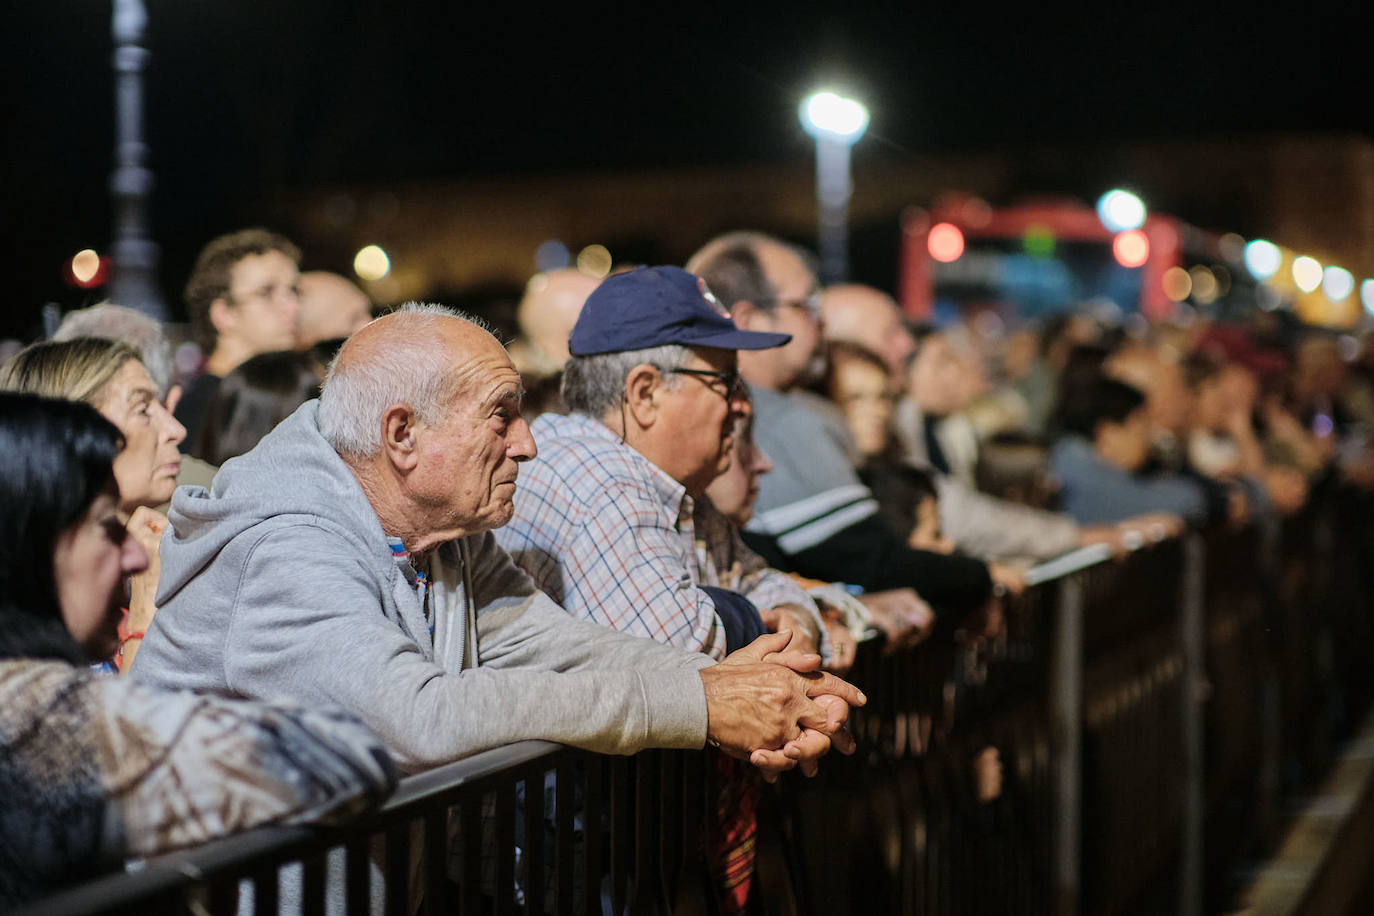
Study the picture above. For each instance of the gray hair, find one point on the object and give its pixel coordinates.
(593, 385)
(417, 370)
(107, 321)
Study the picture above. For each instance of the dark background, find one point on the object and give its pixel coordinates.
(246, 100)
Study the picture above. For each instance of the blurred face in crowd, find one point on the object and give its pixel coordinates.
(695, 430)
(940, 380)
(795, 310)
(871, 319)
(863, 391)
(260, 312)
(1125, 445)
(329, 308)
(90, 562)
(734, 491)
(467, 464)
(146, 468)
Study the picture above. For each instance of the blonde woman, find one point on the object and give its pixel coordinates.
(109, 376)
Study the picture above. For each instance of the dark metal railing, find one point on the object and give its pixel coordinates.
(1147, 713)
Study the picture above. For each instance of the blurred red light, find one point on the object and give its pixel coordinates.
(1131, 248)
(945, 242)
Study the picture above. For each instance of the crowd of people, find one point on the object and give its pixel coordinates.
(353, 548)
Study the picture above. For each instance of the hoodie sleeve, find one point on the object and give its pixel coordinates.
(315, 632)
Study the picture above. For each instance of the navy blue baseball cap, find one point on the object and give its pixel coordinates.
(655, 306)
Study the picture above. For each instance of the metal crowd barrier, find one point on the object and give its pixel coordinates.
(1148, 714)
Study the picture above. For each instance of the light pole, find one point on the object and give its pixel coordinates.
(134, 283)
(835, 123)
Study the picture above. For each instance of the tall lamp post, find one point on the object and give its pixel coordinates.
(835, 123)
(134, 283)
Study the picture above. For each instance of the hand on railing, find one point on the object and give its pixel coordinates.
(902, 615)
(772, 705)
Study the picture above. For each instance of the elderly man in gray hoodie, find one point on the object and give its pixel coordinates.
(348, 559)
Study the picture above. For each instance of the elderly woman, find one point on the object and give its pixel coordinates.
(109, 376)
(95, 769)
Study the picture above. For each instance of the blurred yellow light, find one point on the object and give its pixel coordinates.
(85, 264)
(1204, 285)
(1177, 284)
(1307, 273)
(371, 263)
(594, 261)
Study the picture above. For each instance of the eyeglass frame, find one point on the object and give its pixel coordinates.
(733, 380)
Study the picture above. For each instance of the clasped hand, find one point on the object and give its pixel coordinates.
(772, 705)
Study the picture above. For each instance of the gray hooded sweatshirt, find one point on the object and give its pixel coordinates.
(279, 582)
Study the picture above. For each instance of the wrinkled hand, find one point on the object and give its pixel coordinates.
(842, 644)
(902, 615)
(770, 704)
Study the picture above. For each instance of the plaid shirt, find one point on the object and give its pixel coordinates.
(609, 536)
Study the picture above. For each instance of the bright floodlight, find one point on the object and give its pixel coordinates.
(1337, 283)
(826, 114)
(1263, 258)
(371, 263)
(1120, 210)
(1367, 295)
(1307, 273)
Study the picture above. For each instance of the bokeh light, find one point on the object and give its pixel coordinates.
(1131, 248)
(1263, 258)
(1204, 285)
(1038, 240)
(945, 242)
(1307, 273)
(1338, 283)
(85, 266)
(1120, 210)
(594, 261)
(1177, 284)
(371, 263)
(551, 255)
(1367, 295)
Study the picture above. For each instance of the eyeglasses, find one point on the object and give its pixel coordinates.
(734, 385)
(810, 303)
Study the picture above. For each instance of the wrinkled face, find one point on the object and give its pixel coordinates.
(735, 490)
(795, 310)
(146, 468)
(263, 302)
(864, 394)
(468, 462)
(90, 562)
(697, 422)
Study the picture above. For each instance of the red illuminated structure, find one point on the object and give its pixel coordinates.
(965, 244)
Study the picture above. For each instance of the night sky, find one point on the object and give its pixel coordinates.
(248, 99)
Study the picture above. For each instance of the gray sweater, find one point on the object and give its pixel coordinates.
(279, 582)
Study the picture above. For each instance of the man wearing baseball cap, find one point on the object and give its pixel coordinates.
(603, 516)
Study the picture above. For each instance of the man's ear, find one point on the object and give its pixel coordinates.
(400, 437)
(222, 315)
(643, 385)
(749, 317)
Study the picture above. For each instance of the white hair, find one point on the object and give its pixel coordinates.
(415, 369)
(108, 321)
(592, 385)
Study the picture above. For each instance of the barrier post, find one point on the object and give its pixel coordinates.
(1066, 711)
(1192, 641)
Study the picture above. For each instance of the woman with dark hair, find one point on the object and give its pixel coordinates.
(252, 399)
(95, 769)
